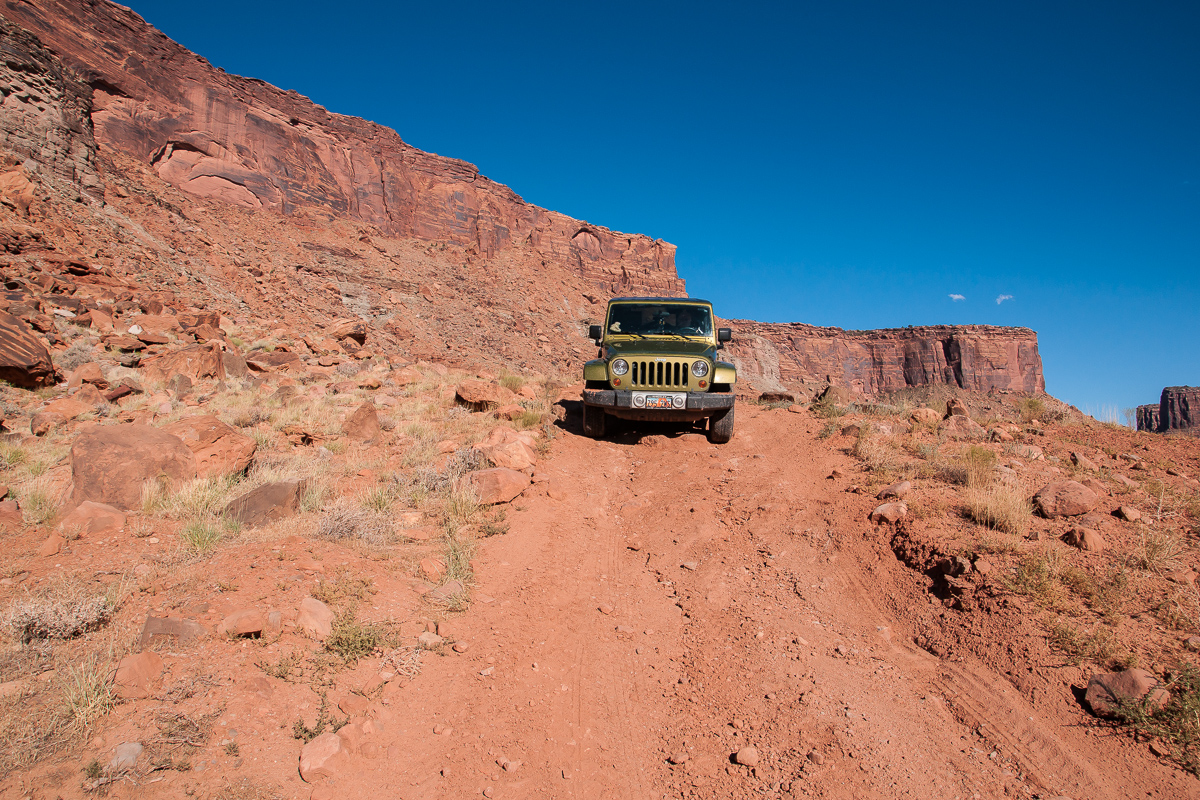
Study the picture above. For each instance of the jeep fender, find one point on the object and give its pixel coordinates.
(724, 372)
(596, 370)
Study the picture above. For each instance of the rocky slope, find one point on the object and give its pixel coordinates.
(244, 151)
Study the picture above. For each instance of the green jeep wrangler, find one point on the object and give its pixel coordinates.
(658, 361)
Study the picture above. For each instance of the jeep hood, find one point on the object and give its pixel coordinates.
(662, 347)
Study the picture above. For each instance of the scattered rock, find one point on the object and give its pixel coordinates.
(499, 485)
(220, 449)
(1085, 539)
(957, 408)
(897, 490)
(477, 395)
(678, 758)
(889, 513)
(1083, 462)
(125, 757)
(323, 757)
(266, 504)
(507, 448)
(1064, 499)
(429, 640)
(1106, 691)
(1127, 513)
(747, 756)
(173, 630)
(246, 622)
(137, 675)
(52, 546)
(363, 424)
(959, 426)
(110, 464)
(315, 618)
(90, 518)
(1096, 486)
(924, 416)
(24, 360)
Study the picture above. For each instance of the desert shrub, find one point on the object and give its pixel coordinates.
(79, 353)
(1177, 725)
(62, 611)
(878, 456)
(88, 691)
(512, 382)
(380, 498)
(323, 721)
(201, 535)
(1031, 408)
(39, 502)
(345, 521)
(999, 506)
(11, 455)
(1037, 577)
(826, 408)
(350, 639)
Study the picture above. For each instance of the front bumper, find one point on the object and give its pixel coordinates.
(619, 403)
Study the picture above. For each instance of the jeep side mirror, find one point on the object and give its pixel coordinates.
(724, 335)
(595, 333)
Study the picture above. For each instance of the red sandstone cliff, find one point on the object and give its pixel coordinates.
(249, 152)
(245, 142)
(976, 357)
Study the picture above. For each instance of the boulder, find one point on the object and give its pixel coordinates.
(1030, 451)
(24, 360)
(959, 426)
(90, 518)
(1064, 499)
(266, 504)
(276, 361)
(477, 395)
(111, 463)
(87, 373)
(1096, 486)
(354, 329)
(897, 490)
(924, 416)
(1083, 462)
(1107, 691)
(245, 622)
(507, 448)
(363, 424)
(323, 758)
(1085, 539)
(315, 618)
(407, 376)
(1127, 513)
(499, 485)
(889, 513)
(44, 421)
(198, 361)
(957, 408)
(195, 319)
(219, 448)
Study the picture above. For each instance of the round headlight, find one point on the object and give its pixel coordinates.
(700, 369)
(638, 400)
(620, 366)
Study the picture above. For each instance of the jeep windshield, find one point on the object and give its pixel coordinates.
(658, 319)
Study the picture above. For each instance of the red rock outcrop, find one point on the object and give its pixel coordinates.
(975, 357)
(45, 117)
(245, 142)
(1147, 417)
(1179, 409)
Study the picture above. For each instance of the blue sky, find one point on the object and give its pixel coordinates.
(850, 163)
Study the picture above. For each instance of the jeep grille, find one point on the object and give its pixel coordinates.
(659, 374)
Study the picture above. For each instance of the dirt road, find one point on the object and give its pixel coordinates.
(666, 600)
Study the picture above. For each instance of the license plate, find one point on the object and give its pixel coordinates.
(649, 400)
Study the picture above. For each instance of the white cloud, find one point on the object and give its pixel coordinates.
(1002, 298)
(957, 297)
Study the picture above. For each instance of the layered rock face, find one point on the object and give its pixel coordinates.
(1179, 409)
(1147, 417)
(977, 357)
(45, 114)
(245, 142)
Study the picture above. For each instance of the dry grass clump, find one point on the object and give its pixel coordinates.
(63, 610)
(877, 455)
(1000, 506)
(346, 521)
(1098, 645)
(1031, 408)
(1160, 550)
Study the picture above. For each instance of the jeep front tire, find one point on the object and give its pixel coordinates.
(720, 426)
(593, 421)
